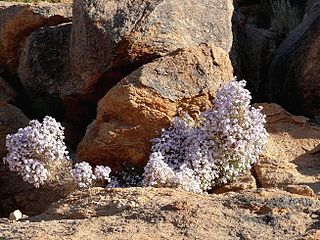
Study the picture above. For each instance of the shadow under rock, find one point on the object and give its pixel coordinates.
(308, 164)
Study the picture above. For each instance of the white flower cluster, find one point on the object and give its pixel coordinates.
(38, 153)
(35, 148)
(224, 142)
(84, 176)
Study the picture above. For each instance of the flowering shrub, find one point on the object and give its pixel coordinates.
(84, 176)
(220, 144)
(38, 153)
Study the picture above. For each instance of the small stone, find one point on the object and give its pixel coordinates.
(15, 215)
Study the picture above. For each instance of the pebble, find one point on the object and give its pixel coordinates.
(16, 215)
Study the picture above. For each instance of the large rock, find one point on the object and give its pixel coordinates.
(44, 62)
(294, 72)
(18, 20)
(133, 112)
(291, 159)
(135, 213)
(44, 68)
(14, 193)
(121, 35)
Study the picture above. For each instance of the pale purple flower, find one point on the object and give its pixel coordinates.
(33, 149)
(220, 145)
(83, 175)
(102, 172)
(38, 153)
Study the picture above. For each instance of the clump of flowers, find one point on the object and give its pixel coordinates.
(84, 177)
(38, 154)
(219, 145)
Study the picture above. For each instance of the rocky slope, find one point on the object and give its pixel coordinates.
(148, 213)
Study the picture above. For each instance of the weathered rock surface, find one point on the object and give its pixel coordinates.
(133, 111)
(294, 72)
(44, 62)
(257, 48)
(18, 20)
(291, 160)
(148, 213)
(121, 35)
(44, 71)
(14, 193)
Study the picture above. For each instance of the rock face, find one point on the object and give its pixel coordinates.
(18, 20)
(14, 193)
(133, 111)
(44, 63)
(135, 213)
(291, 160)
(121, 35)
(294, 73)
(44, 68)
(257, 49)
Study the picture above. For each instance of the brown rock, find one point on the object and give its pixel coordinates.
(303, 190)
(135, 213)
(133, 111)
(294, 72)
(290, 157)
(121, 35)
(18, 20)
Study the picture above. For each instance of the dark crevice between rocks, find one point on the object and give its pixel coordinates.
(38, 107)
(22, 101)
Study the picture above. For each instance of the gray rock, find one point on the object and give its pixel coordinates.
(294, 72)
(257, 50)
(44, 63)
(16, 215)
(124, 34)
